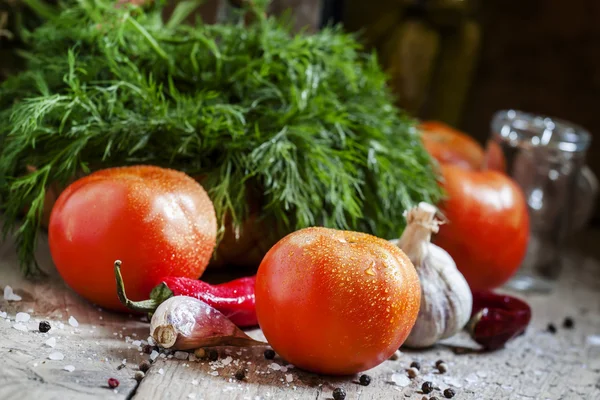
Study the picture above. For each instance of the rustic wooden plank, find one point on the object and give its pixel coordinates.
(565, 365)
(92, 348)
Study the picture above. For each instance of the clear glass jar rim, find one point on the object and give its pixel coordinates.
(578, 140)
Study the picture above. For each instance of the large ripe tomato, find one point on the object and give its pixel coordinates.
(157, 221)
(450, 146)
(488, 225)
(336, 302)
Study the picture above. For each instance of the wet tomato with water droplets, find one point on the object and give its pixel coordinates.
(336, 302)
(158, 221)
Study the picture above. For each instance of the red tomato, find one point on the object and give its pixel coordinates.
(336, 302)
(450, 146)
(488, 228)
(158, 221)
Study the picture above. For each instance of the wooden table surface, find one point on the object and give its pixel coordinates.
(538, 365)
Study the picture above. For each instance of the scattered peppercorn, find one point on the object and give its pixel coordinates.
(240, 375)
(427, 387)
(415, 364)
(269, 354)
(200, 353)
(568, 323)
(438, 362)
(395, 355)
(433, 398)
(113, 383)
(365, 380)
(44, 326)
(339, 394)
(213, 355)
(148, 348)
(412, 372)
(551, 328)
(144, 366)
(449, 393)
(442, 368)
(139, 375)
(120, 367)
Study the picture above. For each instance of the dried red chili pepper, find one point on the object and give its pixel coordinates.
(497, 319)
(234, 299)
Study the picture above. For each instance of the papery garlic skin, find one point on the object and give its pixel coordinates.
(186, 323)
(446, 299)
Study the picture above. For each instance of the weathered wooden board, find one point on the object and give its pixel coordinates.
(539, 365)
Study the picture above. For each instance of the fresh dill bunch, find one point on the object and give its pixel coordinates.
(303, 123)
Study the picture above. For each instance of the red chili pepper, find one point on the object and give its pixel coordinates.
(235, 299)
(497, 319)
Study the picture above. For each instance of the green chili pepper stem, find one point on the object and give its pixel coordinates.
(147, 306)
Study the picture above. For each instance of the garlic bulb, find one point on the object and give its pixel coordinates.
(446, 298)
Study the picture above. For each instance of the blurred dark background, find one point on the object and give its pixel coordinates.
(459, 61)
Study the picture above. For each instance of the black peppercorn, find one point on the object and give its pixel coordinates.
(269, 354)
(415, 364)
(365, 380)
(438, 362)
(144, 366)
(449, 393)
(551, 328)
(568, 323)
(427, 387)
(339, 394)
(213, 355)
(433, 398)
(44, 326)
(148, 348)
(240, 375)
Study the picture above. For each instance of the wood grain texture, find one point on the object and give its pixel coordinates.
(539, 365)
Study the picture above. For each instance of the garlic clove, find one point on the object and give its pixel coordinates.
(186, 323)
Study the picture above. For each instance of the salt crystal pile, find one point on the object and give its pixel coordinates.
(20, 327)
(69, 368)
(51, 342)
(9, 295)
(56, 356)
(73, 322)
(22, 317)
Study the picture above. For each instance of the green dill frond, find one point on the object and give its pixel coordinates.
(305, 121)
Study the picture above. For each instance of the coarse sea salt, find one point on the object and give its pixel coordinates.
(181, 355)
(400, 379)
(153, 355)
(593, 340)
(195, 382)
(289, 378)
(9, 294)
(161, 371)
(192, 396)
(214, 373)
(275, 366)
(3, 314)
(20, 327)
(50, 342)
(227, 360)
(73, 322)
(22, 317)
(56, 356)
(69, 368)
(136, 342)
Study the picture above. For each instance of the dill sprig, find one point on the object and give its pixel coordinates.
(305, 121)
